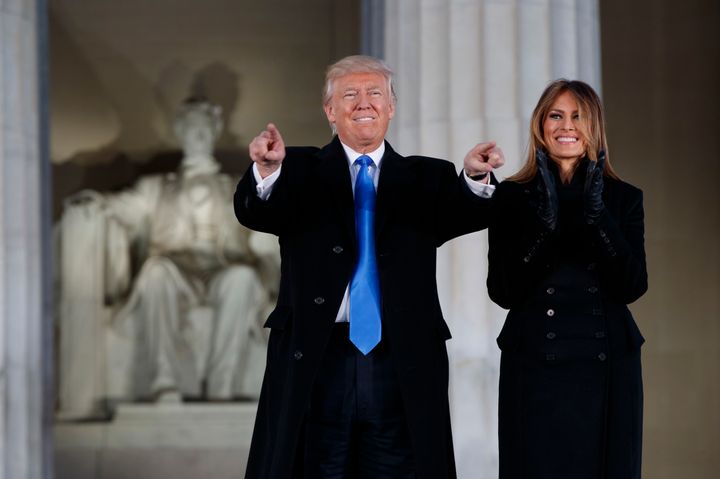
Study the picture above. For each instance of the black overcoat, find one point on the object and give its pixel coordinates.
(421, 203)
(570, 384)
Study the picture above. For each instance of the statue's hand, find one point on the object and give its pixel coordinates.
(267, 150)
(84, 198)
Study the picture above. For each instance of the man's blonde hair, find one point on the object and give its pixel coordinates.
(356, 64)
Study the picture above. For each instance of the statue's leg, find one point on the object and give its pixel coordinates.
(238, 298)
(163, 295)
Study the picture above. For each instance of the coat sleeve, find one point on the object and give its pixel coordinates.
(276, 214)
(520, 248)
(620, 246)
(459, 211)
(255, 213)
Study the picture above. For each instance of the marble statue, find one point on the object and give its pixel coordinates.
(159, 256)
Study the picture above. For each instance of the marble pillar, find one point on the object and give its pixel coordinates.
(24, 320)
(469, 71)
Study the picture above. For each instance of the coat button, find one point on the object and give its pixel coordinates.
(592, 289)
(591, 266)
(338, 249)
(600, 334)
(602, 356)
(550, 335)
(551, 312)
(298, 355)
(549, 357)
(526, 259)
(597, 312)
(550, 290)
(319, 300)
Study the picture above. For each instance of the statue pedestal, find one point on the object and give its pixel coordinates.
(183, 440)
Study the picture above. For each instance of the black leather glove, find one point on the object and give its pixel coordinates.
(593, 204)
(547, 205)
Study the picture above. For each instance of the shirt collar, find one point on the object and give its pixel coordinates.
(375, 156)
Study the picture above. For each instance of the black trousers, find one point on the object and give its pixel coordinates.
(356, 426)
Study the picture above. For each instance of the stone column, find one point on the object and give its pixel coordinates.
(25, 348)
(469, 71)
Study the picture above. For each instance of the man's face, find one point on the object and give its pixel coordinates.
(361, 108)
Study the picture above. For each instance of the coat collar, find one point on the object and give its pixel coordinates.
(333, 171)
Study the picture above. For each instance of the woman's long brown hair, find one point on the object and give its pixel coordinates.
(592, 129)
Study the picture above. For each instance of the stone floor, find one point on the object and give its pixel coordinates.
(157, 441)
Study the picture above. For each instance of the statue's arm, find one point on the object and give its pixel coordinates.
(98, 230)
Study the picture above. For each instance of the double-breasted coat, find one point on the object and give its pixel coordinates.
(570, 382)
(421, 203)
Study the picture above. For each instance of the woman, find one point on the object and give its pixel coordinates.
(566, 257)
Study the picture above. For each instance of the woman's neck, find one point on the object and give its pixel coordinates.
(566, 169)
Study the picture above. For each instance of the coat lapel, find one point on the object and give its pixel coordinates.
(392, 182)
(334, 174)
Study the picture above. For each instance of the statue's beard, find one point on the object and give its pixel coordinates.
(195, 164)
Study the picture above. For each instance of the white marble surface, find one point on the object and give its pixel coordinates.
(156, 426)
(470, 71)
(22, 442)
(158, 440)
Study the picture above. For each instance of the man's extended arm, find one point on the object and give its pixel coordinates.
(253, 206)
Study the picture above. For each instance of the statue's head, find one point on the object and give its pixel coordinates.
(198, 124)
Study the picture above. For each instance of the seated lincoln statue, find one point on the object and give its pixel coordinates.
(164, 267)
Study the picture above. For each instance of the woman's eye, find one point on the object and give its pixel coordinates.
(555, 116)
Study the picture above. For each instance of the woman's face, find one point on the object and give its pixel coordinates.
(563, 129)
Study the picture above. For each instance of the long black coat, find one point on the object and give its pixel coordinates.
(421, 203)
(570, 380)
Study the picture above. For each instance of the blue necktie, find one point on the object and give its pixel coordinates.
(365, 286)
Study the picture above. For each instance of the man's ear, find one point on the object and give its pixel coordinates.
(329, 113)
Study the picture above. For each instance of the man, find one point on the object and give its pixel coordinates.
(357, 372)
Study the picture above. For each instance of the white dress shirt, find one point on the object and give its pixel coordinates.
(265, 186)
